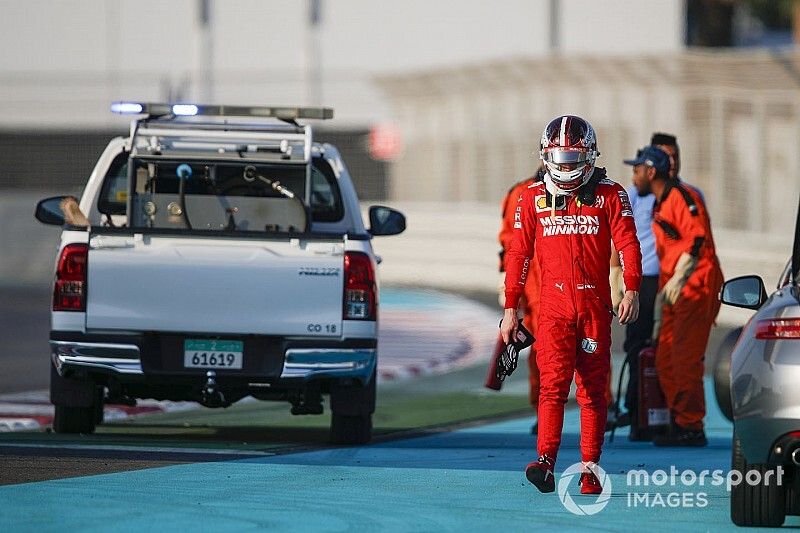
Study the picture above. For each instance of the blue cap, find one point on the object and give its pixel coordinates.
(652, 157)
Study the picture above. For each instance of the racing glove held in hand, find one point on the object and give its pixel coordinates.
(683, 269)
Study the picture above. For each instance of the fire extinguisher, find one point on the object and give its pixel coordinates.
(652, 412)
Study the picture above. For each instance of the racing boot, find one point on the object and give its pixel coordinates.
(588, 481)
(611, 419)
(540, 473)
(623, 420)
(682, 437)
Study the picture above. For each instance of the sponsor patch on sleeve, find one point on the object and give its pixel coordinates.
(518, 217)
(627, 210)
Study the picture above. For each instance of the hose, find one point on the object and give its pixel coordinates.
(184, 172)
(625, 364)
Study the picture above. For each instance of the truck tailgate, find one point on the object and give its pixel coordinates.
(215, 285)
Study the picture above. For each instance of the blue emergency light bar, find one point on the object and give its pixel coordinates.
(189, 110)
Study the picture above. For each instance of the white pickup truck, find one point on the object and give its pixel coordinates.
(225, 256)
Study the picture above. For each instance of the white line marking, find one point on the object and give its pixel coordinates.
(18, 424)
(187, 451)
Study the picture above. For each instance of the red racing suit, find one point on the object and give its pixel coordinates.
(573, 248)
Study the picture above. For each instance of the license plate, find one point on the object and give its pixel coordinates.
(207, 353)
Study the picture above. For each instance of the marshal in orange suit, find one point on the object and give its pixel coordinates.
(689, 281)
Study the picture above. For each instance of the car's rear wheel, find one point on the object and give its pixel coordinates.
(793, 493)
(756, 505)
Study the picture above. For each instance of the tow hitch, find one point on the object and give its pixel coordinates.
(211, 396)
(307, 402)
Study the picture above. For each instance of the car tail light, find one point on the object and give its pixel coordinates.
(359, 287)
(778, 328)
(69, 293)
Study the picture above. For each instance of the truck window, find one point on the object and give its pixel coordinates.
(326, 199)
(114, 193)
(219, 196)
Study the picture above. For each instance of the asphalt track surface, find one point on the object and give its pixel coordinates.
(436, 464)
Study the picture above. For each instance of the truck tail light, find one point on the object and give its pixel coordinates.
(69, 292)
(359, 287)
(778, 328)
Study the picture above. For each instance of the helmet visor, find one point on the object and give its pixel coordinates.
(561, 156)
(565, 160)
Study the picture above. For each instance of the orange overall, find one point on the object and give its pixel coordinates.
(530, 301)
(681, 225)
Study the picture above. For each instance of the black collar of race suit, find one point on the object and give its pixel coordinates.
(586, 194)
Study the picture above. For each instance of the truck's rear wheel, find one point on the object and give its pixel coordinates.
(99, 411)
(74, 419)
(352, 406)
(78, 404)
(351, 429)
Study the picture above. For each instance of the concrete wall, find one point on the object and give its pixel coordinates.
(454, 247)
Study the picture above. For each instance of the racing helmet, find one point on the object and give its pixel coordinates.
(569, 151)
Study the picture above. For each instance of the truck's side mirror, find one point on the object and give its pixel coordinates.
(745, 291)
(386, 221)
(48, 211)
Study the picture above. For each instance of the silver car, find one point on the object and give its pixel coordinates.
(757, 382)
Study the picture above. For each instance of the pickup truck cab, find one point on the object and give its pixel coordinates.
(225, 256)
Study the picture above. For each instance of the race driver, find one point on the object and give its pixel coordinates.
(529, 302)
(571, 218)
(689, 280)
